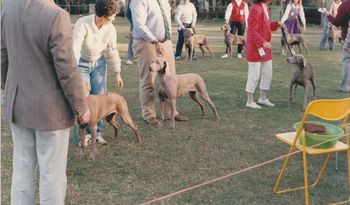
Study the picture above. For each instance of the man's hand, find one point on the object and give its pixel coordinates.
(84, 118)
(159, 47)
(118, 80)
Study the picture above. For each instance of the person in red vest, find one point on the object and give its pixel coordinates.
(237, 15)
(258, 52)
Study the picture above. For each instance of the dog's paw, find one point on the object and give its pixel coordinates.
(92, 157)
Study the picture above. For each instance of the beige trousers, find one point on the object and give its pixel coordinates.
(145, 53)
(48, 150)
(254, 70)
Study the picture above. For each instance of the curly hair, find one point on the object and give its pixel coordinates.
(106, 7)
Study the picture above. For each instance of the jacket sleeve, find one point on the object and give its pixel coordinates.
(339, 19)
(274, 25)
(60, 43)
(286, 13)
(4, 63)
(111, 52)
(253, 23)
(228, 13)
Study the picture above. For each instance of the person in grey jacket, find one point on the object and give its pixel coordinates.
(43, 92)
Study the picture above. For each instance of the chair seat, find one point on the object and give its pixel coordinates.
(289, 137)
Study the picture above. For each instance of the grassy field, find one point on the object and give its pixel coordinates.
(203, 149)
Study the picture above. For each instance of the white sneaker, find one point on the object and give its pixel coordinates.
(224, 56)
(87, 140)
(265, 102)
(253, 105)
(129, 62)
(293, 51)
(100, 140)
(239, 55)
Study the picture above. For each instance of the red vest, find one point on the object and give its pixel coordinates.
(237, 13)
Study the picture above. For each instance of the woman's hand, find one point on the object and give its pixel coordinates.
(118, 80)
(267, 45)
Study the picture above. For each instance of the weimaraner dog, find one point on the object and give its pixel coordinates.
(171, 86)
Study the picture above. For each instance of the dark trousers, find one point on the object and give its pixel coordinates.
(181, 39)
(237, 28)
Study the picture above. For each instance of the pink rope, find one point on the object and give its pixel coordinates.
(228, 175)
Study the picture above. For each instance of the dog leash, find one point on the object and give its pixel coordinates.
(285, 38)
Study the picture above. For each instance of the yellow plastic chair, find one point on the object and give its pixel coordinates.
(329, 110)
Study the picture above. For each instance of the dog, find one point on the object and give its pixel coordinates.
(292, 39)
(304, 72)
(231, 40)
(334, 34)
(191, 40)
(105, 106)
(171, 86)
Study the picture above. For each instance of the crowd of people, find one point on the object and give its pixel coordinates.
(43, 69)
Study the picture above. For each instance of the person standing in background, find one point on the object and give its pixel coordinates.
(237, 13)
(152, 34)
(259, 54)
(186, 17)
(333, 10)
(342, 19)
(95, 48)
(43, 92)
(293, 12)
(324, 36)
(130, 41)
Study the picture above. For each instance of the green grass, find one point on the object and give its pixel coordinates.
(203, 149)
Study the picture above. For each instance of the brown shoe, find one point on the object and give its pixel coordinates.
(152, 121)
(181, 118)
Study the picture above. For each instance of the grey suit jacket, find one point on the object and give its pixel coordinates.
(43, 87)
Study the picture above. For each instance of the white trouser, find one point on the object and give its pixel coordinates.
(254, 74)
(46, 149)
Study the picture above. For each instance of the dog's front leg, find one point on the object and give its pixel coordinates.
(305, 96)
(162, 111)
(93, 143)
(172, 112)
(82, 142)
(290, 98)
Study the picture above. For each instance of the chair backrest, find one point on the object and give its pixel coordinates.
(328, 109)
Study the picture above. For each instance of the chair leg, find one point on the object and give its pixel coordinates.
(306, 179)
(329, 156)
(348, 200)
(282, 171)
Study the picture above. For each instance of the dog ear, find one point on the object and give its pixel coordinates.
(304, 62)
(163, 70)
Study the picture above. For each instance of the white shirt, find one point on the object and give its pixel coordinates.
(287, 11)
(90, 43)
(148, 20)
(185, 13)
(333, 10)
(229, 11)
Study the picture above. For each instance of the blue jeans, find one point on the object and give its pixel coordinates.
(180, 41)
(324, 33)
(130, 52)
(95, 74)
(345, 82)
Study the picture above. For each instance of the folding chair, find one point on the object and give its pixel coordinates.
(328, 110)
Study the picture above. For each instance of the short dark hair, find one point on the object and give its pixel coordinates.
(106, 7)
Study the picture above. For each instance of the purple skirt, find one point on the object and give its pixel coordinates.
(293, 25)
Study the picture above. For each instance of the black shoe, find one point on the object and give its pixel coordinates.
(194, 58)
